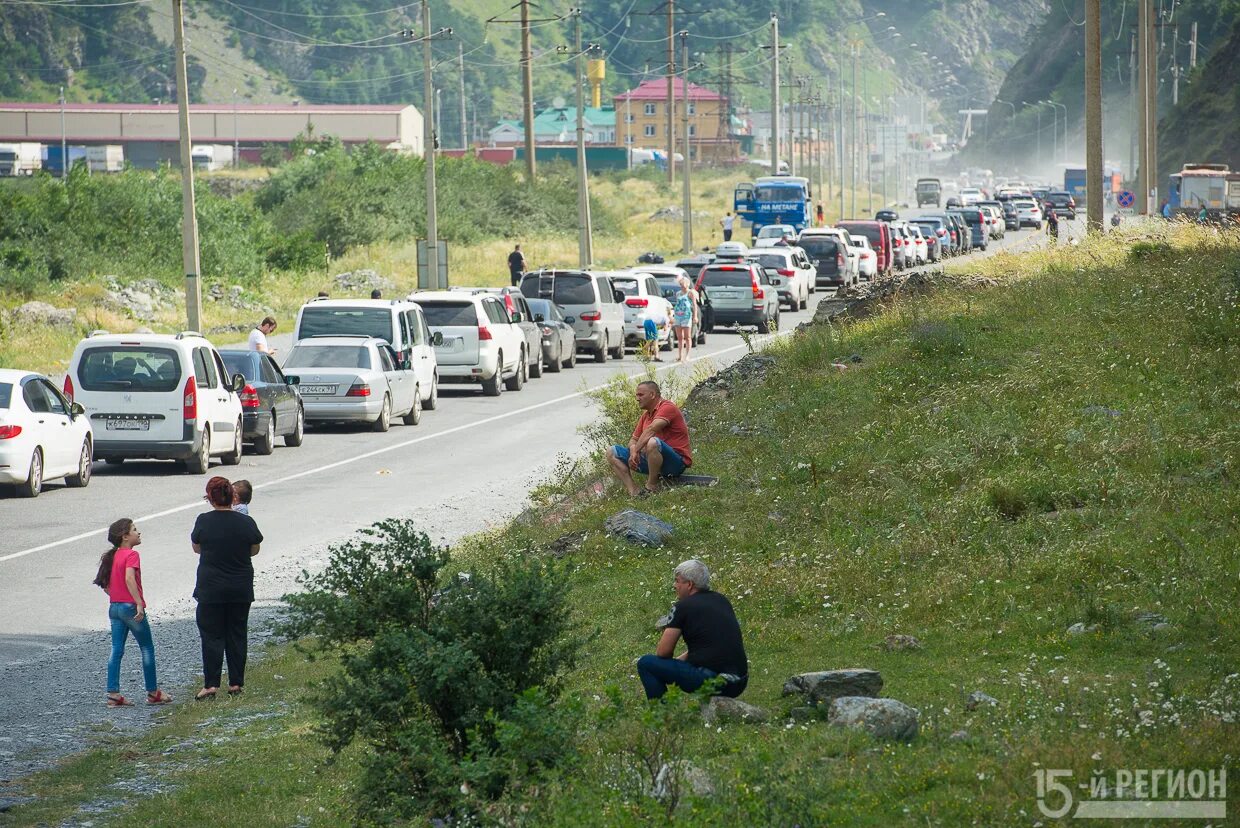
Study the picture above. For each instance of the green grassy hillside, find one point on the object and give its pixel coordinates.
(1047, 439)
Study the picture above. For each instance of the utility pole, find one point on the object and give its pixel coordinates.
(236, 142)
(792, 103)
(839, 130)
(189, 215)
(1132, 96)
(1093, 115)
(1151, 109)
(853, 144)
(460, 57)
(687, 234)
(585, 243)
(1144, 181)
(429, 140)
(527, 90)
(774, 94)
(64, 158)
(671, 92)
(1192, 49)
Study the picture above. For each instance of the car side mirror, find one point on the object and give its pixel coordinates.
(292, 380)
(516, 317)
(437, 338)
(538, 317)
(76, 409)
(238, 382)
(619, 297)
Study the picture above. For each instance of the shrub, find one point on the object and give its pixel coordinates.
(445, 686)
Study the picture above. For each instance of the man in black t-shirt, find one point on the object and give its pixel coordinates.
(516, 265)
(713, 645)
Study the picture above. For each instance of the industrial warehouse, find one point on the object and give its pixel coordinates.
(148, 133)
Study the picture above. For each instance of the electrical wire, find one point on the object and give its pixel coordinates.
(72, 5)
(1068, 15)
(417, 4)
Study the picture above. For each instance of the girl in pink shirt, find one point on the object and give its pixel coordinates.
(120, 575)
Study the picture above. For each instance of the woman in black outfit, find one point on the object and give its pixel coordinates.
(224, 542)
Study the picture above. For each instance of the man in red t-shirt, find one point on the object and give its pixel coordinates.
(660, 443)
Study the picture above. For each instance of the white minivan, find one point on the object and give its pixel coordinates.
(157, 396)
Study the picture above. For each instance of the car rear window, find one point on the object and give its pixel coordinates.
(819, 246)
(129, 368)
(972, 216)
(6, 394)
(242, 364)
(692, 268)
(737, 277)
(573, 290)
(337, 321)
(928, 228)
(668, 286)
(328, 356)
(773, 260)
(450, 314)
(626, 286)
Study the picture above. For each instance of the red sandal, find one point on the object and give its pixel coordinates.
(158, 697)
(119, 701)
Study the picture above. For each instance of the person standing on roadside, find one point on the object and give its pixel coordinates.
(516, 265)
(1052, 224)
(258, 336)
(1166, 209)
(224, 541)
(120, 575)
(682, 319)
(727, 223)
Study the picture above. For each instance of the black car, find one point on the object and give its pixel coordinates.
(559, 342)
(886, 215)
(1062, 203)
(270, 402)
(705, 317)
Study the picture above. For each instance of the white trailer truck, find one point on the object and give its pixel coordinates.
(107, 158)
(21, 159)
(211, 157)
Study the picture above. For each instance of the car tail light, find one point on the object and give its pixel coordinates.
(249, 396)
(189, 401)
(782, 272)
(895, 243)
(637, 303)
(484, 334)
(400, 357)
(547, 332)
(758, 293)
(7, 432)
(591, 316)
(358, 389)
(839, 259)
(68, 388)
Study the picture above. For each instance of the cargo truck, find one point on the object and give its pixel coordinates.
(53, 163)
(211, 157)
(107, 158)
(21, 159)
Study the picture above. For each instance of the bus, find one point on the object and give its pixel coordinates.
(774, 199)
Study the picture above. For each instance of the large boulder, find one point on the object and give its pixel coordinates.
(822, 687)
(639, 527)
(675, 779)
(724, 709)
(41, 314)
(885, 719)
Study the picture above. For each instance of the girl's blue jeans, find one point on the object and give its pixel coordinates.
(124, 623)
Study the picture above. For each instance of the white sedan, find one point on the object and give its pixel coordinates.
(868, 264)
(770, 235)
(42, 435)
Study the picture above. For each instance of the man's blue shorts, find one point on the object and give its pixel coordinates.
(673, 464)
(651, 330)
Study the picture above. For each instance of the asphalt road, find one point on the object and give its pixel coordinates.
(469, 465)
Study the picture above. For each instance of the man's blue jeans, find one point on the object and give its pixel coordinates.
(123, 623)
(657, 673)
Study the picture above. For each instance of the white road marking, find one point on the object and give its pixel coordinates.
(405, 444)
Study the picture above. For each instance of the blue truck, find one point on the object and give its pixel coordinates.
(1074, 179)
(774, 199)
(53, 163)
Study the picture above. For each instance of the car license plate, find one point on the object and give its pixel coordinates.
(129, 425)
(321, 390)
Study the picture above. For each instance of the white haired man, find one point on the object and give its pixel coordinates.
(713, 643)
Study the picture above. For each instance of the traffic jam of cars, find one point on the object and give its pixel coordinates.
(368, 362)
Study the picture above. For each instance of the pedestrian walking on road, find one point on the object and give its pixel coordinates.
(714, 647)
(225, 541)
(726, 223)
(258, 336)
(1052, 225)
(516, 265)
(659, 446)
(682, 319)
(120, 575)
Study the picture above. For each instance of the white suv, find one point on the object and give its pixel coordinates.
(796, 273)
(480, 342)
(643, 299)
(157, 396)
